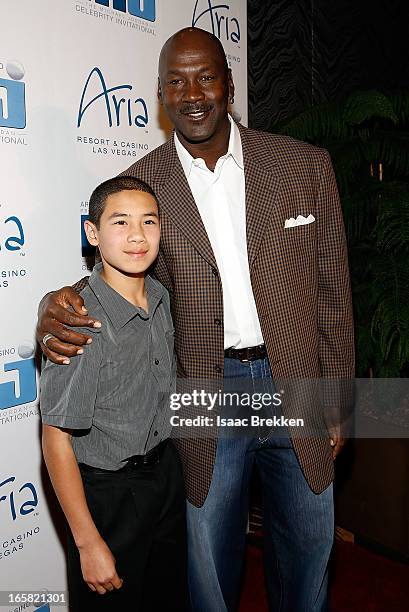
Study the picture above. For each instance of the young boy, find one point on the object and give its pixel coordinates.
(106, 426)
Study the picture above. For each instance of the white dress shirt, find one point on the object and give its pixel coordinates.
(220, 199)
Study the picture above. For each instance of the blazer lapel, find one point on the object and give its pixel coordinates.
(262, 187)
(177, 200)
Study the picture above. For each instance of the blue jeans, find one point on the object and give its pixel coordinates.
(298, 525)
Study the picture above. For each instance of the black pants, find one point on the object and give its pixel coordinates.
(141, 516)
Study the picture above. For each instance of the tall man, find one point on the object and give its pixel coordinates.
(254, 295)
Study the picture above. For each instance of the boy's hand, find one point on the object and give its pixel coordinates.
(54, 315)
(98, 568)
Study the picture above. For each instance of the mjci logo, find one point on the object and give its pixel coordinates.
(21, 388)
(12, 96)
(145, 9)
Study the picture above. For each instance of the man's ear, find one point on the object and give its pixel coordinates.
(91, 232)
(159, 92)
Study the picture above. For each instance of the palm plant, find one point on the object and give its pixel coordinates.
(367, 135)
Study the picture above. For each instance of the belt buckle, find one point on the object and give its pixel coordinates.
(151, 458)
(134, 462)
(249, 355)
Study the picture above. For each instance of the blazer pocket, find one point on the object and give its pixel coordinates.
(300, 230)
(301, 238)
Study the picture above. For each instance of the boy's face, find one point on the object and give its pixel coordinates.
(129, 232)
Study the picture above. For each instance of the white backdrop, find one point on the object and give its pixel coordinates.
(65, 65)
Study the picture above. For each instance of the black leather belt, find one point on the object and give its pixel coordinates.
(152, 457)
(251, 353)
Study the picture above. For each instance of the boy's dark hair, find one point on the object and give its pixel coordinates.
(100, 194)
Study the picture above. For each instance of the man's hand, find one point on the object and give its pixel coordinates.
(336, 440)
(56, 310)
(98, 568)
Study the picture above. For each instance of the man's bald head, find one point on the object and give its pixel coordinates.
(192, 38)
(195, 87)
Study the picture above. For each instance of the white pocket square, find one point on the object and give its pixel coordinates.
(300, 220)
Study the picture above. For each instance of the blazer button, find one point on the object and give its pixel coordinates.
(156, 361)
(215, 272)
(217, 369)
(217, 322)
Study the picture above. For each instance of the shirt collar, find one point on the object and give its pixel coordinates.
(116, 307)
(234, 150)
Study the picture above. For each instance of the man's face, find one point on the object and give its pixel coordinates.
(128, 234)
(194, 87)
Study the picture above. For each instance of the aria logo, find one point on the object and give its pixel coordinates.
(20, 500)
(145, 9)
(18, 380)
(12, 96)
(119, 107)
(217, 19)
(14, 238)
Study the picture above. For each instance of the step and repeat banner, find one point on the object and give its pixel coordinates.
(77, 105)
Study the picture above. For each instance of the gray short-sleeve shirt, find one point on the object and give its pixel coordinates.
(115, 395)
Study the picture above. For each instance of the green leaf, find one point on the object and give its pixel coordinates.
(364, 106)
(392, 227)
(318, 125)
(390, 325)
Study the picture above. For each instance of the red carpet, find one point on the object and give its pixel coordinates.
(361, 581)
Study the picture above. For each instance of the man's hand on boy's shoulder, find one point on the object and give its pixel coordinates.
(57, 310)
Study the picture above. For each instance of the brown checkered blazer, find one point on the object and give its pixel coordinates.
(299, 276)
